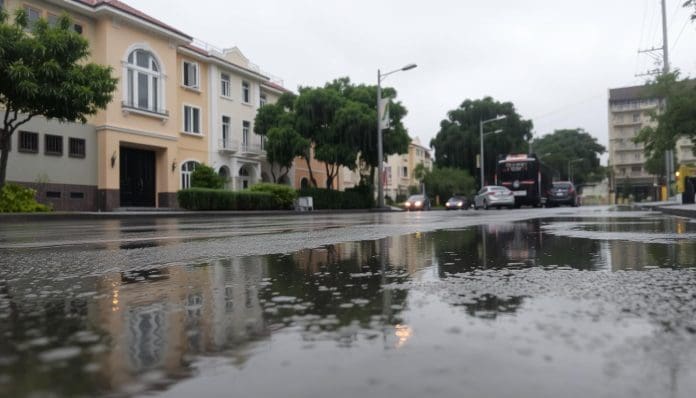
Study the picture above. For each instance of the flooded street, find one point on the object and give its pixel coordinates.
(530, 303)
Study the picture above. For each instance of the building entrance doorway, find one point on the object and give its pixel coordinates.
(137, 177)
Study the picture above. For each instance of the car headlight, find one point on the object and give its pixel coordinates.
(407, 204)
(460, 203)
(418, 203)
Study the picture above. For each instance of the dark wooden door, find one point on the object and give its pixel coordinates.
(137, 177)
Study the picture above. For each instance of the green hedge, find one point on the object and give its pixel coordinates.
(284, 195)
(18, 199)
(353, 198)
(221, 199)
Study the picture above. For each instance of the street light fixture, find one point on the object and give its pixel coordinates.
(380, 155)
(481, 123)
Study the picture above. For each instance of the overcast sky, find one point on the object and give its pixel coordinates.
(554, 59)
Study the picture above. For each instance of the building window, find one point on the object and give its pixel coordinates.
(186, 170)
(190, 74)
(262, 100)
(2, 4)
(225, 131)
(636, 169)
(28, 142)
(52, 19)
(636, 156)
(76, 147)
(53, 145)
(33, 16)
(225, 85)
(77, 195)
(404, 171)
(246, 93)
(246, 126)
(636, 117)
(77, 28)
(53, 194)
(143, 81)
(192, 120)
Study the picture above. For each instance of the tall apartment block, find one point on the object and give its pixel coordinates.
(629, 109)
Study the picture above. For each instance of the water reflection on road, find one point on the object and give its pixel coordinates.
(506, 309)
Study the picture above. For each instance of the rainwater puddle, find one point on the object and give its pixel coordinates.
(527, 309)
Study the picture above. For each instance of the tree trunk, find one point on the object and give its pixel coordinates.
(329, 177)
(309, 167)
(287, 170)
(4, 155)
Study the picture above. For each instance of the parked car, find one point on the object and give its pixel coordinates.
(457, 202)
(417, 202)
(562, 193)
(494, 196)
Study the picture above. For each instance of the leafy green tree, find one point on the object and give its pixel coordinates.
(276, 122)
(44, 72)
(675, 117)
(204, 176)
(282, 146)
(339, 123)
(574, 149)
(444, 182)
(457, 144)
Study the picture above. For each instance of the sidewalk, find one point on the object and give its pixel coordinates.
(671, 208)
(146, 213)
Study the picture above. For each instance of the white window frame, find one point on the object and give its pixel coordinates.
(263, 100)
(195, 70)
(188, 120)
(246, 128)
(225, 85)
(246, 92)
(226, 130)
(156, 98)
(186, 173)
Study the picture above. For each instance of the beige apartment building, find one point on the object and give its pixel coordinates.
(176, 105)
(399, 169)
(629, 109)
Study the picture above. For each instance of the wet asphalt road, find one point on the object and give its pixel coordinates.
(524, 303)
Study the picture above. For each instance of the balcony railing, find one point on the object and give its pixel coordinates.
(227, 145)
(251, 149)
(130, 106)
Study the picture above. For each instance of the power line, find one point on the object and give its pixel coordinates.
(674, 45)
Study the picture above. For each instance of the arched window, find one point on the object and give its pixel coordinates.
(186, 170)
(143, 81)
(304, 183)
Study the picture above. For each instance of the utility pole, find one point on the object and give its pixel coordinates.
(669, 154)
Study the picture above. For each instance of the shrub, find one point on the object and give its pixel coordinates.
(205, 177)
(284, 195)
(221, 199)
(352, 198)
(18, 199)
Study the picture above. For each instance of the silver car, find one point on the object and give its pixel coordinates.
(494, 196)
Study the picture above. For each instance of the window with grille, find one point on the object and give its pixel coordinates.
(53, 145)
(28, 142)
(77, 148)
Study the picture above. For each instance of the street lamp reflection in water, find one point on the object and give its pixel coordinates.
(403, 333)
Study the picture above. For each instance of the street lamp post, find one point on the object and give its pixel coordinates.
(380, 154)
(481, 123)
